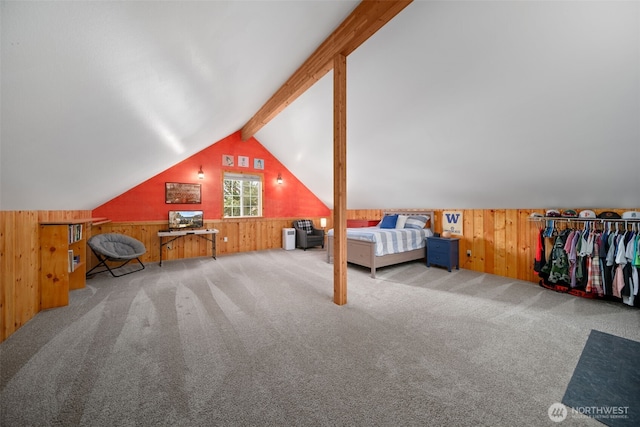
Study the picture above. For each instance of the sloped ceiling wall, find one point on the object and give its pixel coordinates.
(482, 105)
(99, 96)
(450, 105)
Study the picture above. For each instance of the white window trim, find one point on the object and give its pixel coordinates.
(235, 176)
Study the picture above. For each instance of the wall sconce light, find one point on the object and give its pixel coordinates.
(279, 179)
(200, 173)
(323, 222)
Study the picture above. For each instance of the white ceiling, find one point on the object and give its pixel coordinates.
(450, 105)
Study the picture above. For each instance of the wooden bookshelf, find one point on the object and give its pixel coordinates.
(63, 260)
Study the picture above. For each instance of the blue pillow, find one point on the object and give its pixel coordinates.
(389, 221)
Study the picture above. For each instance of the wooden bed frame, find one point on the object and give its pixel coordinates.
(362, 253)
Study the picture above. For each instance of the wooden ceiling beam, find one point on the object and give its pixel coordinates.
(367, 18)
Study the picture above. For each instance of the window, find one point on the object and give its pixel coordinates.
(242, 195)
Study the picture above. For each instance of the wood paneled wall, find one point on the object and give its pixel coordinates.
(20, 265)
(243, 235)
(501, 241)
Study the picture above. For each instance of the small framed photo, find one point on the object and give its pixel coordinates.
(243, 161)
(227, 160)
(258, 163)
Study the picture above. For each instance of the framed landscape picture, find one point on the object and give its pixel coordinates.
(175, 192)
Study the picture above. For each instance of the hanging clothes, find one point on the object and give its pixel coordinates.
(581, 260)
(558, 265)
(594, 275)
(635, 273)
(606, 276)
(628, 295)
(620, 261)
(570, 248)
(592, 260)
(541, 258)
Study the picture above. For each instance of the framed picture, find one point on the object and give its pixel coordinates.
(452, 222)
(175, 192)
(227, 160)
(243, 161)
(258, 163)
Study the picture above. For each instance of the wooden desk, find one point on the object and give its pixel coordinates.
(208, 234)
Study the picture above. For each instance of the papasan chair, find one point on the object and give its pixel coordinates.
(115, 247)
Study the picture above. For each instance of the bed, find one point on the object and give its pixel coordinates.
(376, 247)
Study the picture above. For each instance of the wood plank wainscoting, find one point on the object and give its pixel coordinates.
(243, 235)
(20, 264)
(502, 242)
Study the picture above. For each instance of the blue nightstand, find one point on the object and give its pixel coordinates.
(443, 252)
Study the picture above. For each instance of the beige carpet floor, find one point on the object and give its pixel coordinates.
(254, 339)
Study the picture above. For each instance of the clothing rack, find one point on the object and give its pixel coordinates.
(578, 219)
(597, 270)
(554, 222)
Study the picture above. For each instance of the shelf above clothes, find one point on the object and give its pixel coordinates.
(594, 220)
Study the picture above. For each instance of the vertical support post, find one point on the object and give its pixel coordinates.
(340, 179)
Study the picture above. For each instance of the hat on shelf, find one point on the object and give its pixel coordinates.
(552, 213)
(608, 215)
(587, 213)
(536, 215)
(569, 213)
(631, 215)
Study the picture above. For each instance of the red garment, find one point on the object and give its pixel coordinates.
(540, 260)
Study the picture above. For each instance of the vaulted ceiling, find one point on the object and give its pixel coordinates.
(452, 104)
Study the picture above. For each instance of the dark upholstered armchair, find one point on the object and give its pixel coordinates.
(307, 235)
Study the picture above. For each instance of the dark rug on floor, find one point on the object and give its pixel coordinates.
(606, 382)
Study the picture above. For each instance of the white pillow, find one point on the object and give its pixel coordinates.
(402, 219)
(416, 221)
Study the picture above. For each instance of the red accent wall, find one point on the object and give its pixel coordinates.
(146, 202)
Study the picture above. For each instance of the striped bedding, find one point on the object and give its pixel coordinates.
(390, 240)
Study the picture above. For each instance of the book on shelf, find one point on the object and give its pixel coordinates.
(75, 233)
(72, 265)
(74, 260)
